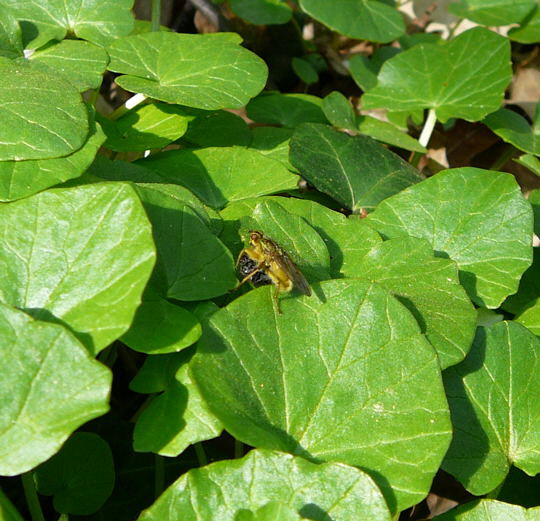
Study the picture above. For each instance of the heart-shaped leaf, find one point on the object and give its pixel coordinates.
(50, 386)
(361, 19)
(354, 170)
(80, 476)
(220, 175)
(462, 78)
(224, 489)
(79, 255)
(343, 375)
(339, 111)
(491, 510)
(493, 12)
(97, 22)
(479, 218)
(262, 12)
(53, 124)
(493, 397)
(206, 71)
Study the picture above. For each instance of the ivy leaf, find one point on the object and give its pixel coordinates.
(220, 175)
(361, 19)
(387, 133)
(97, 22)
(491, 510)
(294, 376)
(273, 142)
(206, 71)
(354, 170)
(339, 111)
(492, 12)
(529, 31)
(305, 70)
(10, 35)
(479, 218)
(158, 372)
(39, 130)
(228, 487)
(50, 386)
(80, 256)
(80, 476)
(462, 78)
(530, 317)
(529, 287)
(262, 12)
(495, 411)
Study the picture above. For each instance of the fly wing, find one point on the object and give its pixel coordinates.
(298, 279)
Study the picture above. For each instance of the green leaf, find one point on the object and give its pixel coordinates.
(20, 179)
(154, 125)
(361, 19)
(83, 63)
(530, 318)
(492, 12)
(363, 71)
(10, 36)
(209, 71)
(530, 162)
(289, 110)
(354, 170)
(7, 511)
(80, 476)
(158, 372)
(514, 129)
(343, 375)
(429, 288)
(50, 386)
(534, 199)
(490, 510)
(161, 327)
(175, 419)
(529, 32)
(97, 22)
(217, 129)
(225, 488)
(462, 78)
(388, 133)
(269, 512)
(80, 256)
(338, 110)
(192, 263)
(220, 175)
(262, 12)
(479, 218)
(493, 397)
(53, 124)
(305, 70)
(273, 142)
(529, 287)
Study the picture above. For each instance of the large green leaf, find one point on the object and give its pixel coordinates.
(20, 179)
(429, 287)
(98, 22)
(492, 12)
(43, 115)
(490, 510)
(49, 387)
(224, 489)
(479, 218)
(79, 255)
(80, 476)
(10, 35)
(262, 11)
(220, 175)
(462, 78)
(361, 19)
(354, 170)
(343, 375)
(493, 396)
(208, 71)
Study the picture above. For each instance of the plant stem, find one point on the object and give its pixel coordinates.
(156, 15)
(506, 155)
(159, 475)
(201, 455)
(32, 499)
(128, 105)
(9, 511)
(429, 125)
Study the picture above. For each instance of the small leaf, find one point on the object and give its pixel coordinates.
(154, 125)
(289, 110)
(529, 32)
(304, 70)
(514, 129)
(490, 510)
(388, 133)
(53, 124)
(363, 71)
(354, 170)
(493, 397)
(80, 256)
(361, 19)
(262, 12)
(206, 71)
(319, 492)
(338, 110)
(462, 78)
(479, 218)
(97, 22)
(158, 372)
(220, 175)
(50, 386)
(85, 72)
(80, 476)
(343, 375)
(175, 419)
(493, 12)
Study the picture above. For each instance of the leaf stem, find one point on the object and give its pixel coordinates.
(201, 455)
(32, 499)
(8, 509)
(429, 125)
(127, 106)
(156, 15)
(159, 475)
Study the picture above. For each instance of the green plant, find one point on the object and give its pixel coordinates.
(416, 356)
